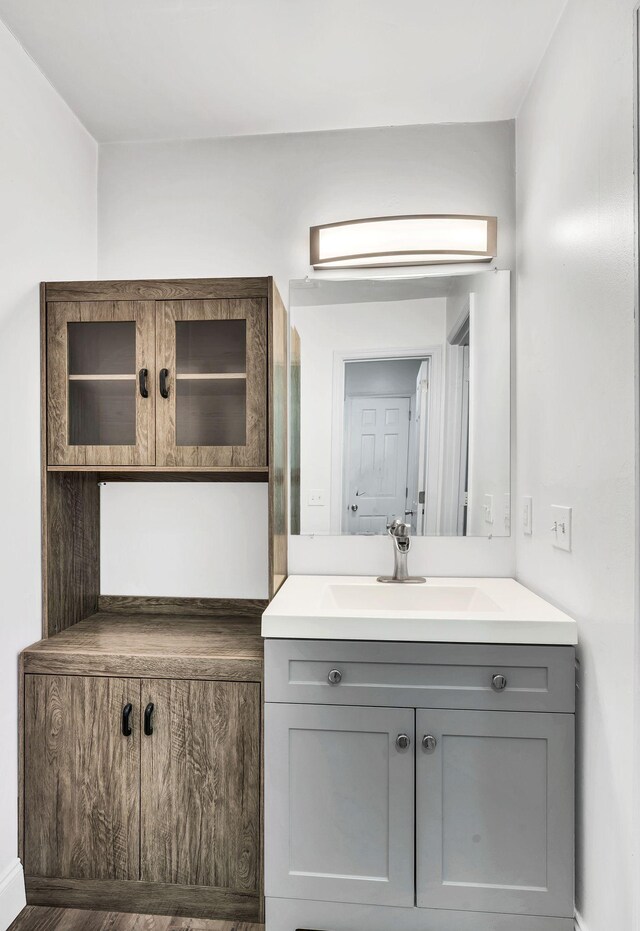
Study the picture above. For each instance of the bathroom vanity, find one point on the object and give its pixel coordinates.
(418, 776)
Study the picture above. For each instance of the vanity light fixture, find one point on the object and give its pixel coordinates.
(429, 239)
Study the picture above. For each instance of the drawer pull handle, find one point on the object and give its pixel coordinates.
(429, 743)
(403, 742)
(334, 677)
(498, 682)
(148, 720)
(126, 719)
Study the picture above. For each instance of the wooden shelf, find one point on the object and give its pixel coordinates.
(145, 644)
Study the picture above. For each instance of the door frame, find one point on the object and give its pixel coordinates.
(434, 428)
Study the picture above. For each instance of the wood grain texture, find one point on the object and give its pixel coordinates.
(254, 452)
(294, 433)
(225, 648)
(81, 778)
(200, 773)
(70, 549)
(278, 465)
(206, 607)
(144, 898)
(183, 475)
(43, 918)
(156, 290)
(59, 315)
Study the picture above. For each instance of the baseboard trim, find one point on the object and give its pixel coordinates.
(12, 894)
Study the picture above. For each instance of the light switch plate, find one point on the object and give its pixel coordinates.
(561, 527)
(316, 498)
(527, 515)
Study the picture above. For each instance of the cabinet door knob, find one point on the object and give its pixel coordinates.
(429, 743)
(498, 682)
(143, 374)
(148, 719)
(335, 677)
(164, 388)
(126, 719)
(403, 742)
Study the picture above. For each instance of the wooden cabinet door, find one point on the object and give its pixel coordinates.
(200, 781)
(212, 405)
(97, 354)
(339, 804)
(82, 778)
(494, 802)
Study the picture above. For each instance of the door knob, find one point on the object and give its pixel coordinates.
(354, 508)
(429, 743)
(403, 742)
(498, 682)
(335, 677)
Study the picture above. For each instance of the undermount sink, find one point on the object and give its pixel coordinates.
(440, 610)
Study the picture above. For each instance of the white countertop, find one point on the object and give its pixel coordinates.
(320, 607)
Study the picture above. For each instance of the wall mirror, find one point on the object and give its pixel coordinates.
(400, 405)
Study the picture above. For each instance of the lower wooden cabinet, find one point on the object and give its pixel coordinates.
(143, 794)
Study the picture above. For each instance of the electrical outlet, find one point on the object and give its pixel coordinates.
(488, 509)
(316, 498)
(527, 515)
(561, 527)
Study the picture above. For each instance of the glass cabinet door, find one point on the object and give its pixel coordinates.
(100, 376)
(212, 375)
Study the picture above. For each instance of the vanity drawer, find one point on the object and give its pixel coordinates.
(420, 675)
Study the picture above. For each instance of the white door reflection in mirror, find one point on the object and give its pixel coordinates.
(400, 397)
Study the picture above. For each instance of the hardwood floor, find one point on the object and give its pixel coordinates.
(41, 918)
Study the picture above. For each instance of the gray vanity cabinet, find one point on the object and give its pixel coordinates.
(420, 787)
(494, 812)
(340, 803)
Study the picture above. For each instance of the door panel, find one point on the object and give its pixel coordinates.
(339, 804)
(377, 447)
(97, 414)
(82, 789)
(215, 356)
(200, 777)
(495, 812)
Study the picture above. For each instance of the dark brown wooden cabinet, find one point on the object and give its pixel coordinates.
(173, 383)
(144, 794)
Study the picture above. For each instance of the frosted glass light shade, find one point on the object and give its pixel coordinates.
(412, 240)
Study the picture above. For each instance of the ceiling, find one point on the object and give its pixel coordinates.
(178, 69)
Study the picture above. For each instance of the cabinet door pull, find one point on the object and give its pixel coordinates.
(429, 743)
(143, 374)
(148, 720)
(164, 388)
(126, 719)
(403, 742)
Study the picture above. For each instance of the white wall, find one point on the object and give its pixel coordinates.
(243, 206)
(575, 413)
(48, 188)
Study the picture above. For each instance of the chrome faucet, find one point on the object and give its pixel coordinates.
(399, 533)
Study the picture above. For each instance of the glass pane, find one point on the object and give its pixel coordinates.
(102, 348)
(207, 347)
(211, 411)
(102, 413)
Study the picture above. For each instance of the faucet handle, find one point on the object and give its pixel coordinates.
(398, 528)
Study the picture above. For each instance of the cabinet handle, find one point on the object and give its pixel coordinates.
(403, 742)
(498, 682)
(334, 677)
(429, 743)
(126, 719)
(164, 388)
(148, 722)
(142, 382)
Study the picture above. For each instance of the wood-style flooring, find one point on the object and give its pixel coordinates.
(41, 918)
